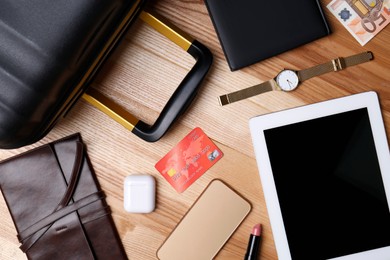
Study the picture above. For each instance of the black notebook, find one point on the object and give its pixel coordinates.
(254, 30)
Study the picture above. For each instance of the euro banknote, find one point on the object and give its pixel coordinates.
(362, 18)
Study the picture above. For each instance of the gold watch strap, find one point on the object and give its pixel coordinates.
(335, 65)
(248, 92)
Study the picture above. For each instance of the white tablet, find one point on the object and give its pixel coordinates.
(325, 172)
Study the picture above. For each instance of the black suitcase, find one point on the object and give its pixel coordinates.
(50, 52)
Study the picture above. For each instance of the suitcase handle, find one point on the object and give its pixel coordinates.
(180, 99)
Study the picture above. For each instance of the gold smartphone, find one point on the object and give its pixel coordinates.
(207, 225)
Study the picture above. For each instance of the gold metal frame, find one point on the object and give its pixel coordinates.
(112, 109)
(180, 38)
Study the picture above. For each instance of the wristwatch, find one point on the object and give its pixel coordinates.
(288, 80)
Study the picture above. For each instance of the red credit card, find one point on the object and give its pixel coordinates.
(188, 160)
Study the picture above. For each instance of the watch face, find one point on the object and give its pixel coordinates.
(287, 80)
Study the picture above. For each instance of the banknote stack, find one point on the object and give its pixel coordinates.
(362, 18)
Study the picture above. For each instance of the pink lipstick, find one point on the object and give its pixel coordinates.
(252, 251)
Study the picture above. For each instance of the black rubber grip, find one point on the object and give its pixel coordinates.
(181, 98)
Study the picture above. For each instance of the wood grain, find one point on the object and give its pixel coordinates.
(143, 73)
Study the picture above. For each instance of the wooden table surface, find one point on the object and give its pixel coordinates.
(143, 73)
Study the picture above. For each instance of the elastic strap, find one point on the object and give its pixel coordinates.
(76, 170)
(59, 214)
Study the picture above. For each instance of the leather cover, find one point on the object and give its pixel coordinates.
(56, 203)
(48, 55)
(253, 30)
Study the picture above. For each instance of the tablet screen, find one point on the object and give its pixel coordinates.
(329, 186)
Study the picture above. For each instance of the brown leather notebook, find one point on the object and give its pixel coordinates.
(56, 203)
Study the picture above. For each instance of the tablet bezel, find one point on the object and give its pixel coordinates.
(261, 123)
